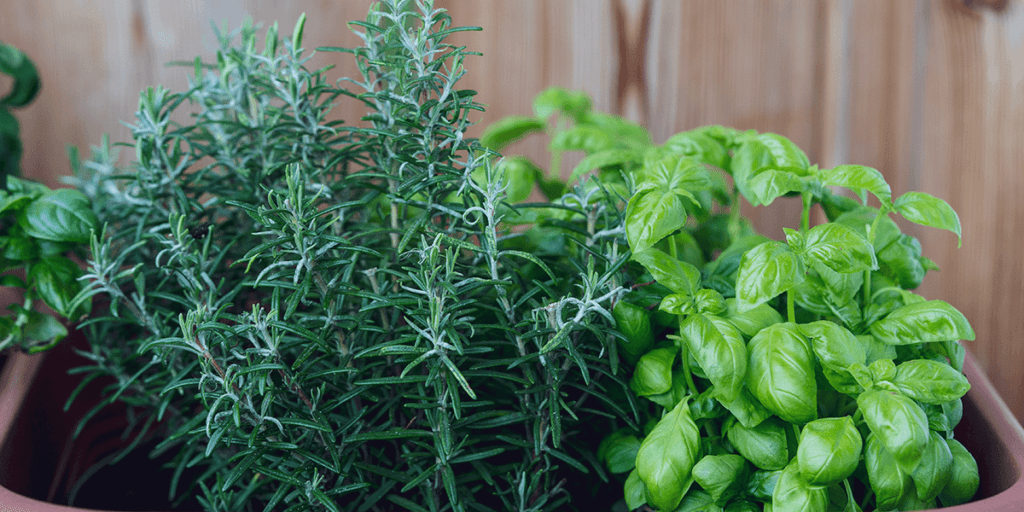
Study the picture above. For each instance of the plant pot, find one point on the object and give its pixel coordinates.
(40, 461)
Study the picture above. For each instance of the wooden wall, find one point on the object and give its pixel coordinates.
(930, 92)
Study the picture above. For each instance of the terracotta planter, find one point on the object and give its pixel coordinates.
(39, 460)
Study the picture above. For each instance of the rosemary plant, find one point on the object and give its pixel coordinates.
(315, 315)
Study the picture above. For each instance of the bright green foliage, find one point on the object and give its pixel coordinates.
(318, 314)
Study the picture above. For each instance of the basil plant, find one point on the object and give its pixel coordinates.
(801, 374)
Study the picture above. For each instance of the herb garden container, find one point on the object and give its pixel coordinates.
(39, 460)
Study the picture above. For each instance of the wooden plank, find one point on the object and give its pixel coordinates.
(971, 155)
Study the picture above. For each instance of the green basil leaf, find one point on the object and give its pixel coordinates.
(709, 302)
(785, 154)
(874, 349)
(743, 506)
(699, 146)
(720, 475)
(857, 178)
(889, 482)
(901, 261)
(675, 394)
(10, 203)
(944, 417)
(634, 322)
(899, 424)
(764, 445)
(745, 408)
(653, 373)
(582, 137)
(498, 135)
(61, 215)
(720, 351)
(928, 210)
(963, 480)
(623, 131)
(923, 322)
(520, 175)
(836, 347)
(618, 451)
(14, 63)
(930, 381)
(677, 304)
(769, 184)
(751, 321)
(765, 272)
(936, 467)
(666, 457)
(673, 173)
(795, 494)
(603, 159)
(840, 249)
(56, 281)
(636, 493)
(16, 248)
(882, 370)
(651, 215)
(761, 484)
(829, 450)
(862, 217)
(676, 275)
(697, 500)
(781, 373)
(575, 104)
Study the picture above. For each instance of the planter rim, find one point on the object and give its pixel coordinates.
(20, 370)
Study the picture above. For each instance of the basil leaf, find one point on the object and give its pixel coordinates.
(653, 373)
(666, 457)
(498, 135)
(963, 479)
(928, 210)
(836, 347)
(618, 451)
(781, 373)
(829, 450)
(575, 104)
(56, 281)
(61, 215)
(651, 215)
(697, 500)
(751, 321)
(699, 146)
(888, 480)
(582, 137)
(899, 424)
(764, 445)
(745, 408)
(604, 159)
(901, 261)
(678, 276)
(761, 484)
(520, 174)
(770, 184)
(635, 325)
(765, 272)
(922, 322)
(930, 381)
(636, 492)
(932, 474)
(840, 248)
(720, 351)
(874, 349)
(17, 65)
(944, 417)
(720, 475)
(795, 494)
(857, 178)
(785, 154)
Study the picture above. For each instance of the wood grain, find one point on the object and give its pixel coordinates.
(930, 92)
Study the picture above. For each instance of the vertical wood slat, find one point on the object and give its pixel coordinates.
(926, 91)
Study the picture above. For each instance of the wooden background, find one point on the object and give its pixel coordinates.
(930, 92)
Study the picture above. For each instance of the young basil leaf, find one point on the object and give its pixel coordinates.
(498, 135)
(651, 215)
(582, 137)
(653, 373)
(720, 351)
(618, 451)
(666, 457)
(61, 215)
(836, 347)
(678, 276)
(889, 482)
(840, 248)
(781, 373)
(745, 408)
(899, 424)
(963, 480)
(575, 104)
(765, 272)
(857, 178)
(944, 417)
(930, 381)
(634, 322)
(932, 474)
(677, 304)
(795, 494)
(829, 450)
(770, 184)
(603, 159)
(882, 370)
(928, 210)
(720, 475)
(785, 154)
(699, 146)
(709, 302)
(764, 445)
(901, 261)
(751, 322)
(636, 493)
(922, 322)
(862, 375)
(56, 281)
